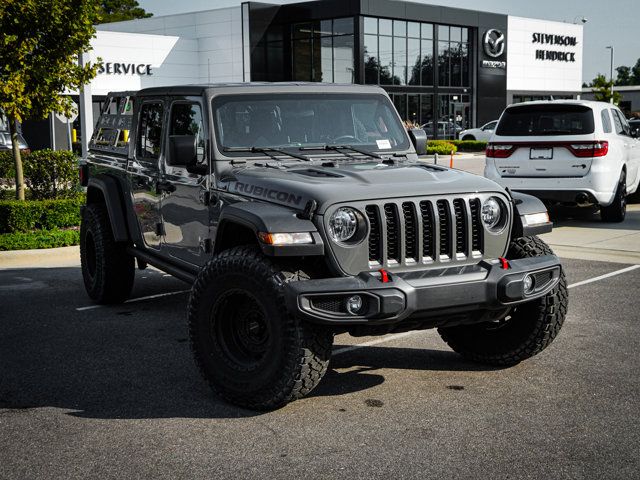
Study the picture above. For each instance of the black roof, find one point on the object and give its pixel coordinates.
(199, 89)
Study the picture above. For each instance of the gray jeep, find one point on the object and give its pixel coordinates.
(299, 211)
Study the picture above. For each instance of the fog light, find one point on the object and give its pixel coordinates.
(528, 284)
(354, 304)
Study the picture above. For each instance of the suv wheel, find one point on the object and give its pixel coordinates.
(249, 347)
(107, 269)
(618, 208)
(468, 138)
(525, 331)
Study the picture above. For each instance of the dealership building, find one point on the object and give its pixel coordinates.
(445, 68)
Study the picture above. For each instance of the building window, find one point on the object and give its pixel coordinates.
(454, 115)
(453, 56)
(398, 52)
(323, 51)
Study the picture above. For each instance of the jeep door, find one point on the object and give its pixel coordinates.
(184, 206)
(143, 170)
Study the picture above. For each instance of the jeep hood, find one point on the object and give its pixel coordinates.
(351, 182)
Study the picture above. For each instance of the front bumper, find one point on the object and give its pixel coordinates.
(422, 294)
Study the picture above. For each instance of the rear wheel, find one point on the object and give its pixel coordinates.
(525, 331)
(108, 270)
(617, 211)
(249, 347)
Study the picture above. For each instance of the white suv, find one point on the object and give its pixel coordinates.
(567, 151)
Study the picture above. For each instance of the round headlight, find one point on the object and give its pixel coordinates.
(491, 212)
(343, 224)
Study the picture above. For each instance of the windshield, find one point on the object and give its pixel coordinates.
(293, 121)
(552, 119)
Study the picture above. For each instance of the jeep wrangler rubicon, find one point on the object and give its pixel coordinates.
(300, 211)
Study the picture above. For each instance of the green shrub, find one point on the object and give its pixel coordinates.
(7, 166)
(470, 145)
(51, 174)
(16, 216)
(39, 239)
(441, 147)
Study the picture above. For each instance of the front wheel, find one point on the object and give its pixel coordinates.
(525, 331)
(617, 211)
(249, 347)
(469, 138)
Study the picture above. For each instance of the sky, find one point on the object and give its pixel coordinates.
(609, 22)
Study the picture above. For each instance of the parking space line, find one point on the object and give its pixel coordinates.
(134, 300)
(397, 336)
(606, 275)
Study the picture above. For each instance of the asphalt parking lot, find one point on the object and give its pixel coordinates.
(110, 392)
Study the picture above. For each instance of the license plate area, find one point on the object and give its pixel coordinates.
(545, 153)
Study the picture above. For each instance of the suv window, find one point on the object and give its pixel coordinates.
(552, 119)
(150, 130)
(490, 126)
(606, 121)
(186, 120)
(622, 127)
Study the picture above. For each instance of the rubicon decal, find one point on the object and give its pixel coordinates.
(267, 193)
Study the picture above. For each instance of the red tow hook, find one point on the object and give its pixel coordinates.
(504, 263)
(384, 276)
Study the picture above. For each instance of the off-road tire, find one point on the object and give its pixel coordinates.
(530, 329)
(287, 365)
(616, 212)
(107, 269)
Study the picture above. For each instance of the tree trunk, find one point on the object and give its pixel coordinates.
(13, 129)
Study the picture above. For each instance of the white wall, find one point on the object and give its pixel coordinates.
(217, 35)
(525, 73)
(173, 60)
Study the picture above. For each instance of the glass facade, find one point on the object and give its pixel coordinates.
(323, 51)
(432, 64)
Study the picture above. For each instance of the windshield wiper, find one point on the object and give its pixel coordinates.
(337, 148)
(268, 151)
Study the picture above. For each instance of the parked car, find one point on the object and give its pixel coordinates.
(5, 136)
(445, 129)
(571, 152)
(298, 211)
(482, 134)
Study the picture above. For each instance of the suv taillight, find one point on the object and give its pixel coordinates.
(500, 150)
(589, 149)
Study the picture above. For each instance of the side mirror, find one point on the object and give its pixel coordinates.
(183, 152)
(635, 132)
(419, 139)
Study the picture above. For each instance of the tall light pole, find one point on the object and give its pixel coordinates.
(610, 47)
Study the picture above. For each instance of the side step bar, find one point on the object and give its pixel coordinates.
(161, 264)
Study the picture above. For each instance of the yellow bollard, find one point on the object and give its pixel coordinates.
(125, 136)
(74, 136)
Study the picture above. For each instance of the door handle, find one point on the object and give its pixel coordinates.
(165, 187)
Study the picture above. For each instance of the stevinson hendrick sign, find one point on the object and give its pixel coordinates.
(553, 39)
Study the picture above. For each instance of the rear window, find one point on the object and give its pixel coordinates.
(553, 119)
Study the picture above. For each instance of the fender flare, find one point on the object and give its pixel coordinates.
(524, 204)
(271, 218)
(112, 195)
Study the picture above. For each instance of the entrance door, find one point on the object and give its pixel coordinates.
(144, 171)
(185, 213)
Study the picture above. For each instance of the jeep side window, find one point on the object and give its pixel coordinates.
(150, 131)
(606, 121)
(186, 120)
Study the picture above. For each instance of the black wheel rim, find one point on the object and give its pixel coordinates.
(240, 328)
(90, 254)
(623, 195)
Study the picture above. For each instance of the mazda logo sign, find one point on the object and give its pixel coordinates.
(493, 43)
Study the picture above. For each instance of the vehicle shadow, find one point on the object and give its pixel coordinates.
(590, 218)
(133, 361)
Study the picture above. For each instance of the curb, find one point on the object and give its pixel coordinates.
(40, 258)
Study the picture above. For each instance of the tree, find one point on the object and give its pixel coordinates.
(635, 73)
(601, 88)
(120, 10)
(40, 42)
(624, 76)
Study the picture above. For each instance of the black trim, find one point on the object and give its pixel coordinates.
(164, 265)
(111, 192)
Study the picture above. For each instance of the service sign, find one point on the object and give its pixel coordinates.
(544, 56)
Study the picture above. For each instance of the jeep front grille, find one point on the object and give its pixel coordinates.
(424, 231)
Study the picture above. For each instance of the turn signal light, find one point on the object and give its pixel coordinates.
(499, 150)
(278, 239)
(589, 149)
